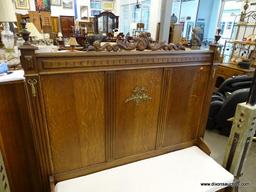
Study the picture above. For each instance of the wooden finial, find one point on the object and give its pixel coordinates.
(25, 33)
(216, 48)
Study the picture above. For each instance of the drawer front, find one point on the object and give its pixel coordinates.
(137, 105)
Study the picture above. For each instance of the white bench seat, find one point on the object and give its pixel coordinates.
(179, 171)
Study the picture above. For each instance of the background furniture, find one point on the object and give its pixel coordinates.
(87, 117)
(89, 25)
(46, 21)
(233, 83)
(225, 71)
(55, 24)
(175, 33)
(21, 17)
(67, 24)
(242, 42)
(140, 28)
(16, 143)
(34, 17)
(223, 105)
(105, 22)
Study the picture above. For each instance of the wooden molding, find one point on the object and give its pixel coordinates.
(203, 146)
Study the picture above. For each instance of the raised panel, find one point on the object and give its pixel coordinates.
(136, 123)
(183, 104)
(74, 106)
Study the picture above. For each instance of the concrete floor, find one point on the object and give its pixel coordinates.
(217, 144)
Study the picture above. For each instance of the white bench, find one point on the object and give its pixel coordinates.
(180, 171)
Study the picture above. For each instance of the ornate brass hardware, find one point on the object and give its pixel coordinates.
(32, 83)
(139, 95)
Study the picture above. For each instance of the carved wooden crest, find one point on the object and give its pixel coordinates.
(141, 43)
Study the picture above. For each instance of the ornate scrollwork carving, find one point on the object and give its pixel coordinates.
(141, 43)
(29, 61)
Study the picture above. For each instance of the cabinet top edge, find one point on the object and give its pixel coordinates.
(121, 53)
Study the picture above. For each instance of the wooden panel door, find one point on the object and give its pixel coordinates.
(66, 23)
(74, 105)
(136, 111)
(55, 24)
(184, 98)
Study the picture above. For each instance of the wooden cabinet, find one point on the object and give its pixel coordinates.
(16, 143)
(225, 71)
(105, 22)
(92, 111)
(66, 23)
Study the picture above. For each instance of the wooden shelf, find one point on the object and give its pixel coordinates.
(242, 42)
(246, 24)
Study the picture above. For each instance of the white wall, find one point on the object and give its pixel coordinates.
(32, 8)
(189, 8)
(210, 17)
(59, 10)
(155, 13)
(213, 21)
(55, 10)
(155, 10)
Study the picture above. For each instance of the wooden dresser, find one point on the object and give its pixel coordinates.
(96, 110)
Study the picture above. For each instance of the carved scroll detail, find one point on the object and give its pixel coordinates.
(141, 43)
(29, 61)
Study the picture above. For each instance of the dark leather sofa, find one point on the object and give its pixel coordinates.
(224, 101)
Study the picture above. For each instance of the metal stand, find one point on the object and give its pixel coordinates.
(242, 132)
